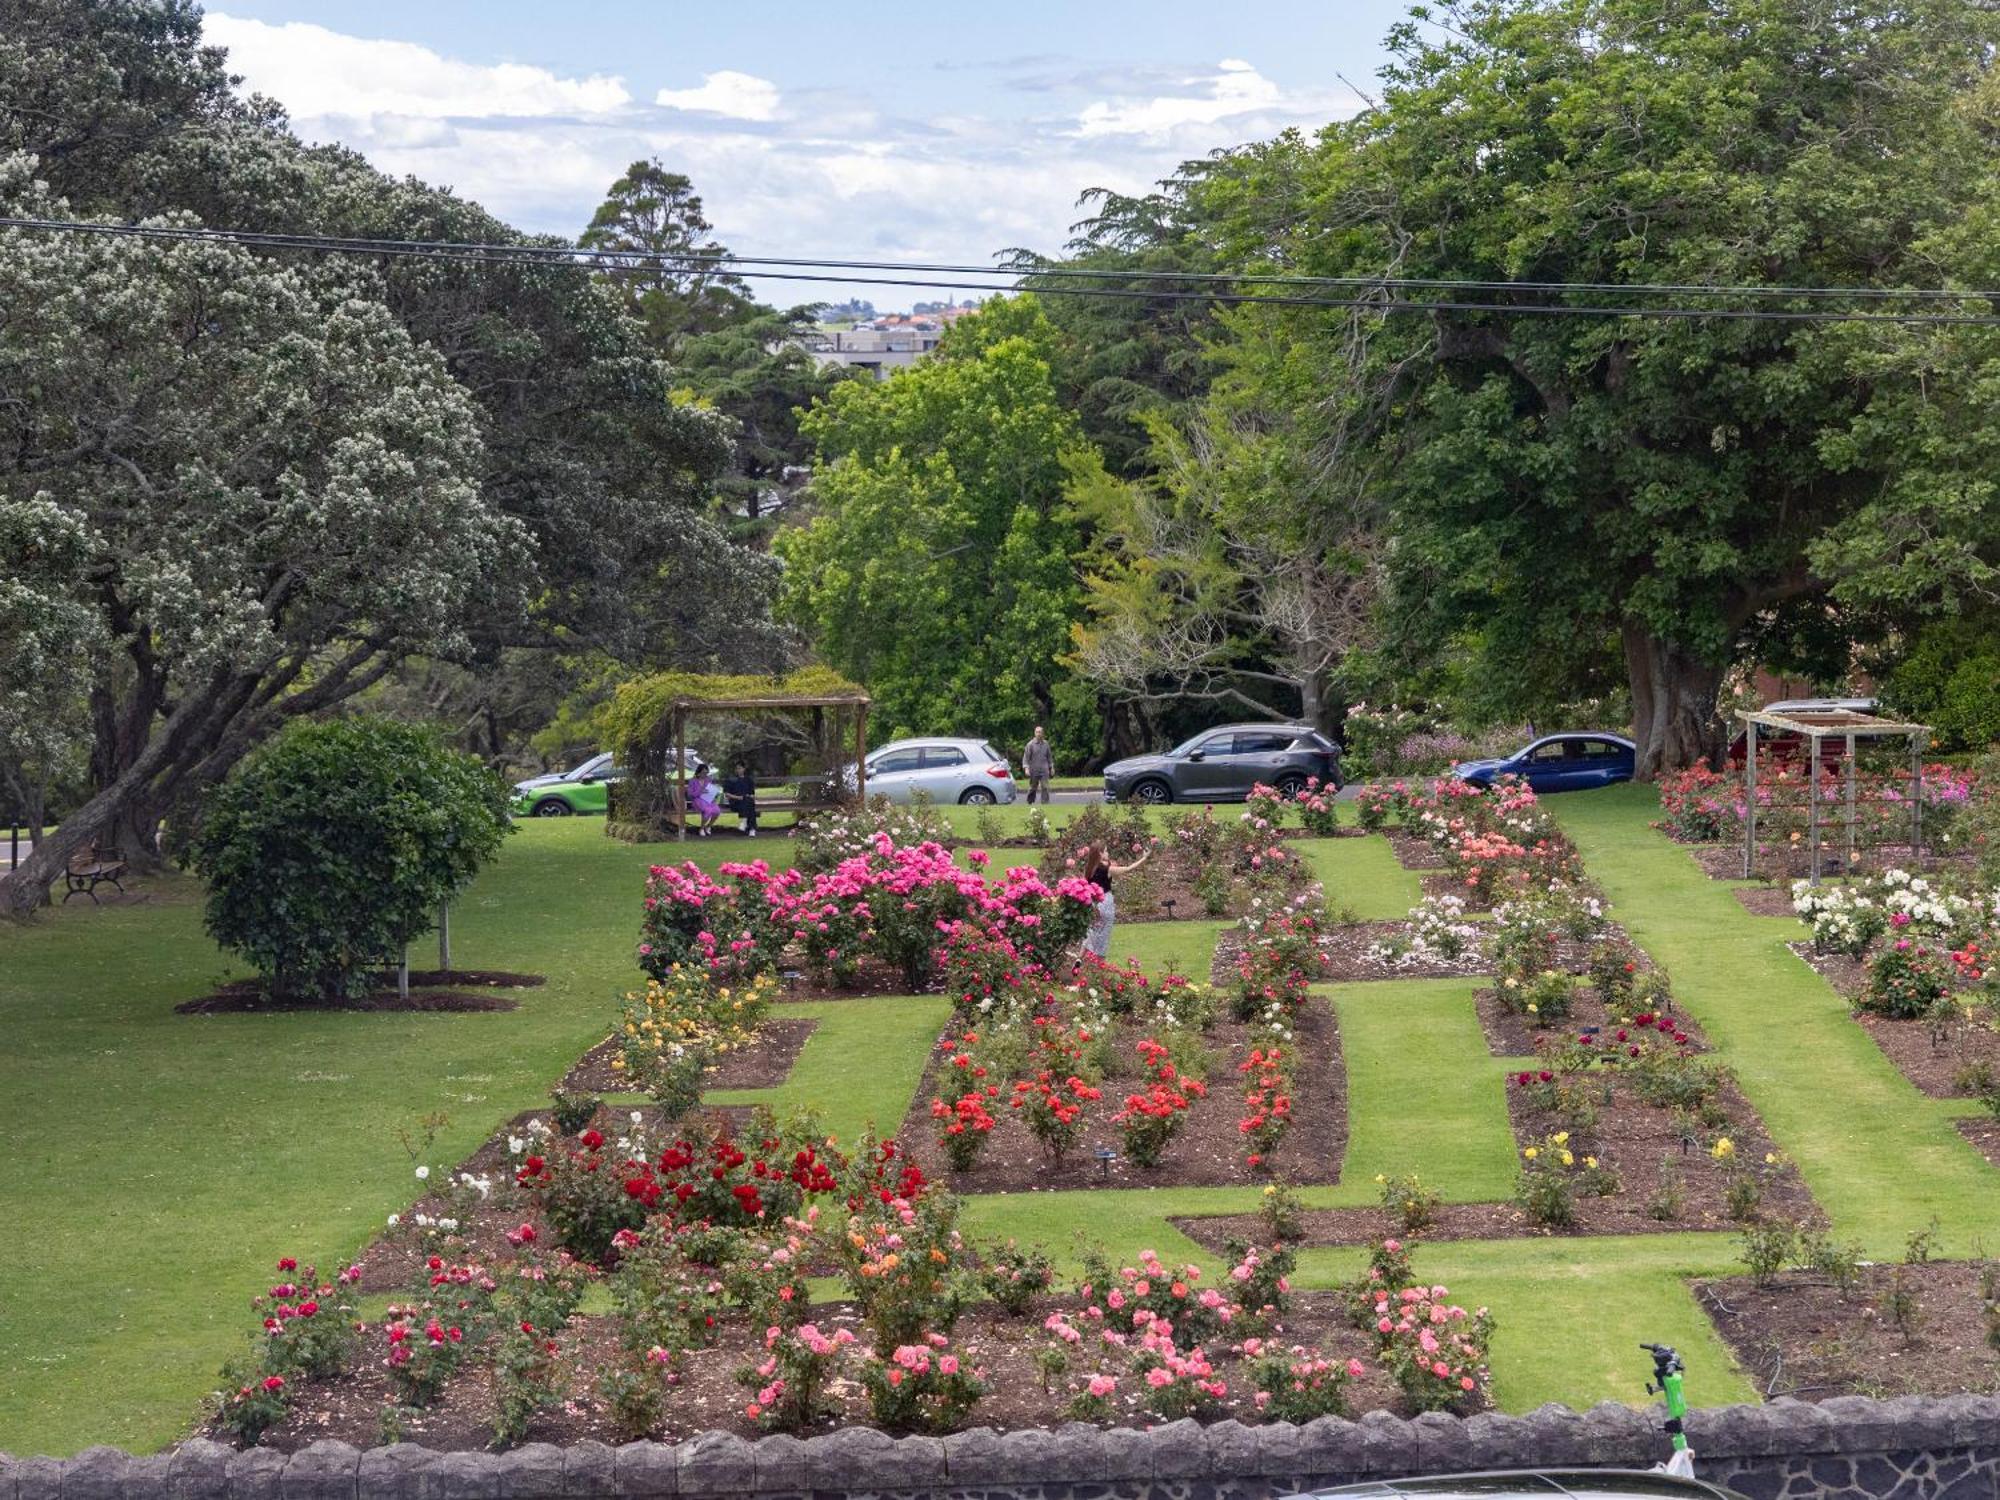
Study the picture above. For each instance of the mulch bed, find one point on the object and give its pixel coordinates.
(1765, 900)
(1208, 1151)
(1983, 1131)
(708, 1398)
(1413, 853)
(1509, 1034)
(1802, 1336)
(1931, 1063)
(873, 976)
(430, 990)
(765, 1064)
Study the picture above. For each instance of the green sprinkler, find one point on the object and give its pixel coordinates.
(1668, 1375)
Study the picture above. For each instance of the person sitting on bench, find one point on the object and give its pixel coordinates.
(741, 790)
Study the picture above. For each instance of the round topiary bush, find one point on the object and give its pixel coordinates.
(331, 847)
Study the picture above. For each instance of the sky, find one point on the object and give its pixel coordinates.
(878, 130)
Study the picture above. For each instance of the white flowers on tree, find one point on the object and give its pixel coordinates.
(267, 490)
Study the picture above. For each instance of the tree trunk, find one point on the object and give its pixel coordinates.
(1673, 703)
(1310, 703)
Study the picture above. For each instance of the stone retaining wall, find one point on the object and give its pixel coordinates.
(1850, 1448)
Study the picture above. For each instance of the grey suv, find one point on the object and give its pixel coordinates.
(1222, 765)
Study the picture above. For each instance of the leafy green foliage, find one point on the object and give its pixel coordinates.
(937, 569)
(332, 847)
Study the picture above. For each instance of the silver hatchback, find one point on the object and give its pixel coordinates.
(945, 770)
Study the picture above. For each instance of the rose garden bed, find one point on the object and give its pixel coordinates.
(1208, 1149)
(1927, 1329)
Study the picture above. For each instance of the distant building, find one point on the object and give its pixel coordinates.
(880, 346)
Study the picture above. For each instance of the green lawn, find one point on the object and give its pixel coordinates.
(165, 1161)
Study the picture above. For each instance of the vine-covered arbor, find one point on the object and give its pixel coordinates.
(819, 717)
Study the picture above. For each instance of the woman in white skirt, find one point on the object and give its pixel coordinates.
(1098, 870)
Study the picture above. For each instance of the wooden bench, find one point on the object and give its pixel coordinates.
(92, 867)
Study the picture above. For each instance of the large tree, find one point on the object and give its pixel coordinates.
(937, 568)
(1556, 483)
(270, 489)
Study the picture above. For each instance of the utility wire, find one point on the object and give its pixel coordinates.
(565, 257)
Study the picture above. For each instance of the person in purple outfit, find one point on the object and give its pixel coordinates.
(702, 798)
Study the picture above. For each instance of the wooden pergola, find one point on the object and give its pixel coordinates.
(1849, 728)
(682, 709)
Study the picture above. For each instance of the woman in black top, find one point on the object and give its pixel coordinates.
(741, 791)
(1099, 870)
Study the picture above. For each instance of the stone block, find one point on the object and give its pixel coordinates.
(1502, 1442)
(589, 1468)
(1388, 1444)
(1617, 1435)
(780, 1464)
(861, 1458)
(323, 1470)
(1331, 1451)
(1443, 1444)
(96, 1474)
(1076, 1455)
(1180, 1452)
(38, 1478)
(533, 1471)
(465, 1476)
(8, 1465)
(147, 1475)
(256, 1474)
(392, 1473)
(1128, 1456)
(1557, 1433)
(651, 1469)
(199, 1470)
(1970, 1419)
(710, 1463)
(1861, 1425)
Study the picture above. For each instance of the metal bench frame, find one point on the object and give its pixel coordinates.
(103, 864)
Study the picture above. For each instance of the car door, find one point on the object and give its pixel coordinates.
(592, 794)
(1546, 766)
(1256, 756)
(943, 772)
(893, 774)
(1204, 768)
(1603, 763)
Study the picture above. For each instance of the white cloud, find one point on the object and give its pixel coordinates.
(318, 72)
(736, 96)
(1236, 88)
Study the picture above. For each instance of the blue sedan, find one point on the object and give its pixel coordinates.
(1558, 763)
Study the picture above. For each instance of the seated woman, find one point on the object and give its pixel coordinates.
(702, 798)
(741, 792)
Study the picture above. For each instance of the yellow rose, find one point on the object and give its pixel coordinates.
(1561, 1137)
(1723, 1149)
(1568, 1160)
(1530, 1153)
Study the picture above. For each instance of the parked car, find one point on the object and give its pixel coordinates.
(1534, 1484)
(947, 770)
(1222, 765)
(1558, 763)
(582, 790)
(1780, 746)
(597, 765)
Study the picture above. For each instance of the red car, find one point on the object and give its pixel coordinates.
(1780, 746)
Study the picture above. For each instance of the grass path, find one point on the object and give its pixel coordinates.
(1361, 875)
(1881, 1158)
(861, 1065)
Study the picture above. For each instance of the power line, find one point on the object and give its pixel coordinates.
(573, 258)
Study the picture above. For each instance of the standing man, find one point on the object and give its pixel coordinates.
(1039, 761)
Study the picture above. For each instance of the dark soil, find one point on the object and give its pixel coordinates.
(1983, 1131)
(1509, 1034)
(1931, 1061)
(765, 1064)
(1765, 900)
(1802, 1336)
(872, 977)
(707, 1396)
(1208, 1151)
(248, 995)
(1413, 853)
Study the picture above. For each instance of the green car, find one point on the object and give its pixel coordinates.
(582, 790)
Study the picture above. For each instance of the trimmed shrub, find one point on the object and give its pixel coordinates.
(330, 848)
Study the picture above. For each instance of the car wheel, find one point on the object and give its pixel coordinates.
(976, 796)
(1291, 787)
(552, 807)
(1154, 792)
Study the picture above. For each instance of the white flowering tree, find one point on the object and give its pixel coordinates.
(269, 492)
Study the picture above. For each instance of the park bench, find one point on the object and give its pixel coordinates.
(91, 867)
